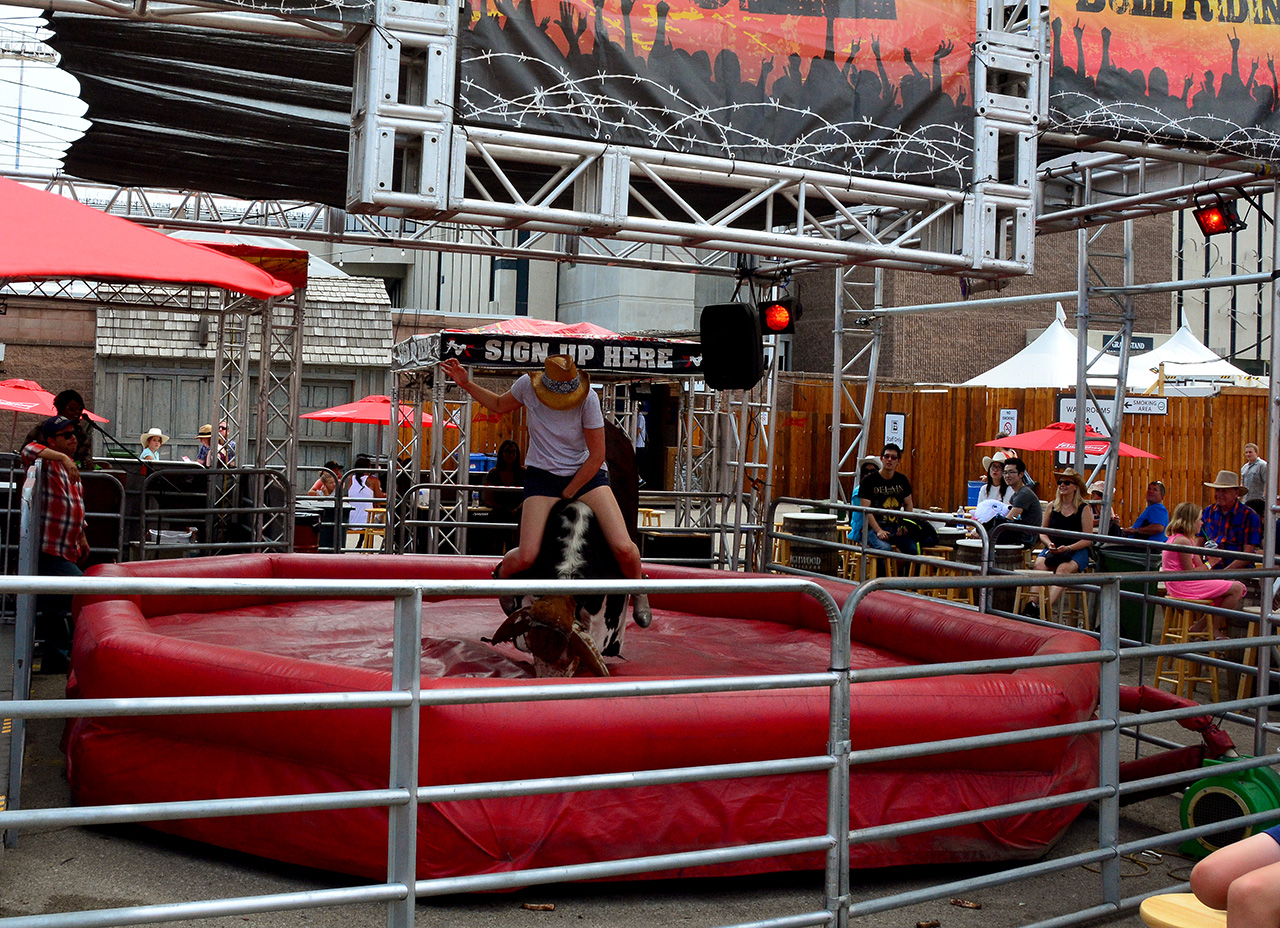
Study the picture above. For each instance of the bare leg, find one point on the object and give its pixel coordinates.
(1213, 879)
(1055, 592)
(533, 521)
(605, 506)
(1230, 600)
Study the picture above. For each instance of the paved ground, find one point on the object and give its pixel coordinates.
(89, 868)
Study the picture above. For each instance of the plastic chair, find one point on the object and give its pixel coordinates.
(1180, 910)
(1184, 672)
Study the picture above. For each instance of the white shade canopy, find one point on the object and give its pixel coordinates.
(1050, 361)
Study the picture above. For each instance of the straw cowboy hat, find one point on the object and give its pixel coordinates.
(1071, 474)
(869, 459)
(150, 434)
(206, 431)
(561, 385)
(989, 459)
(1226, 480)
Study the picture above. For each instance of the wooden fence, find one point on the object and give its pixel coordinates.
(1198, 437)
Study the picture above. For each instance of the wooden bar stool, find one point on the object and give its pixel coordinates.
(1030, 594)
(1180, 910)
(1250, 656)
(942, 553)
(1182, 671)
(650, 516)
(1073, 604)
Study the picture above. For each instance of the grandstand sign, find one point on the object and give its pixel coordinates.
(871, 87)
(1192, 73)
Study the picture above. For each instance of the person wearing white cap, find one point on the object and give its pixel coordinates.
(565, 458)
(151, 440)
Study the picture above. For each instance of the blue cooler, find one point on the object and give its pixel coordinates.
(975, 487)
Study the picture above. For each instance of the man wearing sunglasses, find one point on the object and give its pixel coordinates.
(62, 538)
(888, 489)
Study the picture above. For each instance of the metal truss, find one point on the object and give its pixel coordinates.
(745, 472)
(849, 439)
(322, 21)
(403, 116)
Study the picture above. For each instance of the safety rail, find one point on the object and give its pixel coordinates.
(405, 698)
(238, 509)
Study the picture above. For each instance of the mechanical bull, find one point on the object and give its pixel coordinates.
(568, 633)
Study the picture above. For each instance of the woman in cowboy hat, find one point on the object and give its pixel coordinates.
(151, 440)
(1069, 512)
(565, 459)
(994, 486)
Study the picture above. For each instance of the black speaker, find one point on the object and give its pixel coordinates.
(732, 346)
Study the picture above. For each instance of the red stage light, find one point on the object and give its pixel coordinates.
(779, 316)
(1217, 217)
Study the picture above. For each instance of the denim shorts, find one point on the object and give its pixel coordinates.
(539, 482)
(1081, 557)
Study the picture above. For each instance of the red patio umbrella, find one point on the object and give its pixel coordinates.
(26, 397)
(44, 236)
(1061, 437)
(372, 410)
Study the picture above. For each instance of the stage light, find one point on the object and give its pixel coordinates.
(778, 317)
(1217, 217)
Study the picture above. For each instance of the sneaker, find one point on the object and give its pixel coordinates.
(1031, 610)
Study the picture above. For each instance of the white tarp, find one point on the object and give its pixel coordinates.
(1185, 358)
(1050, 361)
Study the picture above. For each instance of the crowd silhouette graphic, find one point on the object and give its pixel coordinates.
(827, 113)
(1227, 110)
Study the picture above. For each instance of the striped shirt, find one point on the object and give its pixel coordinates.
(62, 507)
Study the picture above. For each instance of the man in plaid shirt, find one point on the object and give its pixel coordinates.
(1230, 524)
(62, 538)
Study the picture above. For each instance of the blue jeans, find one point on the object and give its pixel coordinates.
(901, 542)
(53, 613)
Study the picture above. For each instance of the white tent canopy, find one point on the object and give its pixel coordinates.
(1050, 361)
(1186, 358)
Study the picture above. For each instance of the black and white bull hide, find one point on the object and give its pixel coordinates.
(568, 633)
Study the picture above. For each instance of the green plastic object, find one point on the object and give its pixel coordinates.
(1228, 796)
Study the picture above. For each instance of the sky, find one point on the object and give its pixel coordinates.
(40, 108)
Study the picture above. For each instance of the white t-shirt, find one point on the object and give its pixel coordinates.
(556, 440)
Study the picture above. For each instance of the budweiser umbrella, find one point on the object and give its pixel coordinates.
(28, 398)
(1061, 437)
(372, 410)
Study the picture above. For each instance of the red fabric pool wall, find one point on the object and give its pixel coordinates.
(214, 756)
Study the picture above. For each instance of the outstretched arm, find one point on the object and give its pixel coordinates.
(906, 56)
(627, 7)
(1078, 31)
(499, 403)
(945, 48)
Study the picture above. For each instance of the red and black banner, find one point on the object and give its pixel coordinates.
(617, 355)
(875, 87)
(1194, 73)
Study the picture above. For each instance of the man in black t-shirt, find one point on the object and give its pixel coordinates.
(888, 489)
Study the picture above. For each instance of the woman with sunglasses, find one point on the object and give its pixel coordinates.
(1069, 512)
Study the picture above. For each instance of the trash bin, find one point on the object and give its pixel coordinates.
(1137, 619)
(166, 544)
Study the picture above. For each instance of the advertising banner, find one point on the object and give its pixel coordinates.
(875, 87)
(1194, 73)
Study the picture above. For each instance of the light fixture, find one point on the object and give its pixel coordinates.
(1217, 216)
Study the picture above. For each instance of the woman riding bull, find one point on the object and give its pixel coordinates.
(565, 459)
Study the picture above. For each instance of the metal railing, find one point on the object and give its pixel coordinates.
(215, 511)
(405, 699)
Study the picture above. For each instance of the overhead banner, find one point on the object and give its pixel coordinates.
(619, 356)
(876, 87)
(1193, 73)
